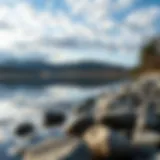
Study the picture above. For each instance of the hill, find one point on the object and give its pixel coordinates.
(38, 72)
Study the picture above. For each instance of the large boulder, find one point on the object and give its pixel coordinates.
(106, 143)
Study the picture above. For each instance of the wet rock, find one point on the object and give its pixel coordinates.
(86, 107)
(147, 138)
(24, 129)
(152, 121)
(128, 100)
(156, 95)
(124, 120)
(78, 125)
(53, 118)
(147, 86)
(116, 112)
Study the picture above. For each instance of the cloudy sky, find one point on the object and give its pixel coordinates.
(62, 31)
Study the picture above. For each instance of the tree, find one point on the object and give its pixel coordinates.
(150, 57)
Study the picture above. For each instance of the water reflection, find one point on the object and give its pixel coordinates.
(28, 103)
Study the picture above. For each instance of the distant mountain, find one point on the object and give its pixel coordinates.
(40, 65)
(39, 73)
(94, 65)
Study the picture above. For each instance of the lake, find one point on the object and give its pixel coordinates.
(27, 103)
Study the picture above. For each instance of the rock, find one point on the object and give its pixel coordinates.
(104, 142)
(24, 129)
(51, 149)
(152, 120)
(116, 126)
(156, 95)
(147, 86)
(78, 125)
(147, 138)
(53, 118)
(124, 120)
(113, 112)
(85, 107)
(128, 100)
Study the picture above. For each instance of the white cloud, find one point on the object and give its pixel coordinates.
(42, 32)
(98, 15)
(122, 4)
(28, 25)
(92, 12)
(97, 8)
(78, 6)
(144, 17)
(96, 11)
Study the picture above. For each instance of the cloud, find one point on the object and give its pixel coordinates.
(144, 17)
(77, 7)
(99, 15)
(90, 24)
(30, 25)
(97, 8)
(122, 4)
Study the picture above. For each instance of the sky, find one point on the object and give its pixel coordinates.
(66, 31)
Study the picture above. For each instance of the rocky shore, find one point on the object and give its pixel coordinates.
(121, 125)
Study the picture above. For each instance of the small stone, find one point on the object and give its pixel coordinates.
(53, 118)
(24, 129)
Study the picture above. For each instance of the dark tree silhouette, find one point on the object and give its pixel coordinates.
(150, 57)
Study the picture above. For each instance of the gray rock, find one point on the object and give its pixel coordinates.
(78, 125)
(85, 107)
(53, 118)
